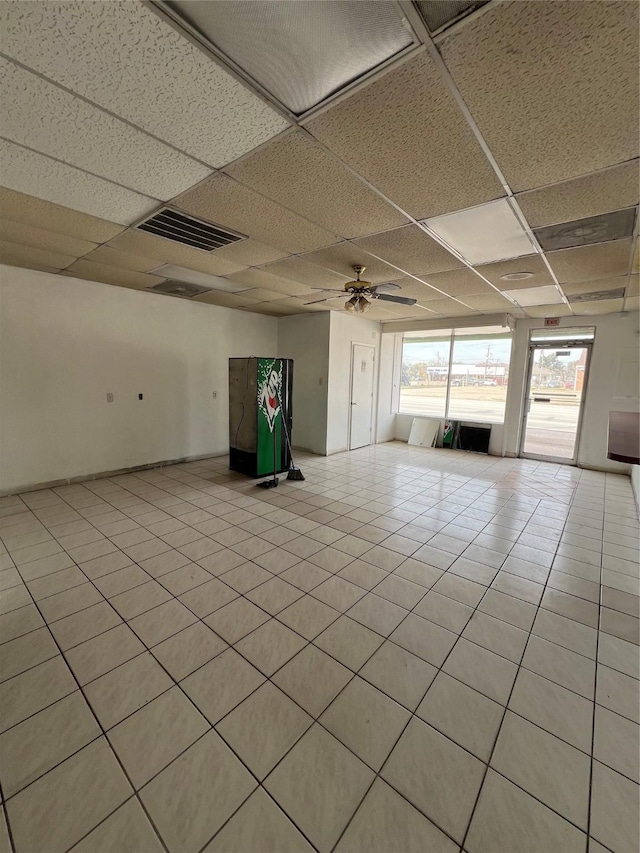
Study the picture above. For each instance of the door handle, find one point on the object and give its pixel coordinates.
(354, 404)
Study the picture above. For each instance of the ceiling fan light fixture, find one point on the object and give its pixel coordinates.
(351, 304)
(363, 305)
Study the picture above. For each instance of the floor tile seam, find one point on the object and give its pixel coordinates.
(103, 733)
(504, 714)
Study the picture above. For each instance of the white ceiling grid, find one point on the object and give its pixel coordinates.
(112, 108)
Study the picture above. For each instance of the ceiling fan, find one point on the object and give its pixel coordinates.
(360, 290)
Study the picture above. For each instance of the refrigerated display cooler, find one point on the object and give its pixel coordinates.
(260, 410)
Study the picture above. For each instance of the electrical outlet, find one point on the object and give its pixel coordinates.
(109, 397)
(214, 394)
(140, 396)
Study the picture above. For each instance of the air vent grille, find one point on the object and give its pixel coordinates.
(583, 232)
(597, 295)
(188, 231)
(439, 14)
(179, 288)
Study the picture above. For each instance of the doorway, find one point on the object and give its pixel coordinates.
(556, 387)
(361, 399)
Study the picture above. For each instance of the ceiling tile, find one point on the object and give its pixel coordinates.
(416, 289)
(342, 257)
(26, 256)
(124, 58)
(489, 302)
(546, 295)
(573, 288)
(71, 130)
(590, 195)
(588, 263)
(633, 286)
(632, 303)
(484, 234)
(540, 311)
(448, 308)
(226, 300)
(251, 253)
(553, 86)
(460, 283)
(531, 263)
(168, 251)
(262, 279)
(300, 175)
(308, 274)
(124, 260)
(34, 174)
(603, 306)
(112, 275)
(410, 249)
(28, 235)
(261, 294)
(405, 134)
(222, 200)
(53, 217)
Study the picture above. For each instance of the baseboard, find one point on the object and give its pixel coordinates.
(100, 475)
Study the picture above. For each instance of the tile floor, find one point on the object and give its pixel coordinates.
(412, 650)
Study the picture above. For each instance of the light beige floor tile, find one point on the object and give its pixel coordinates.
(460, 589)
(80, 792)
(152, 737)
(81, 626)
(561, 665)
(40, 742)
(507, 818)
(124, 579)
(305, 575)
(319, 784)
(615, 809)
(259, 826)
(94, 657)
(312, 679)
(377, 613)
(31, 691)
(188, 650)
(617, 742)
(127, 828)
(25, 652)
(444, 611)
(438, 777)
(364, 575)
(566, 632)
(349, 642)
(274, 595)
(549, 769)
(5, 843)
(520, 587)
(619, 655)
(192, 798)
(618, 692)
(308, 616)
(497, 636)
(57, 582)
(263, 728)
(163, 621)
(270, 646)
(235, 620)
(245, 577)
(559, 711)
(105, 565)
(138, 600)
(399, 674)
(366, 721)
(481, 669)
(126, 688)
(19, 622)
(221, 684)
(208, 597)
(385, 822)
(466, 716)
(424, 639)
(338, 593)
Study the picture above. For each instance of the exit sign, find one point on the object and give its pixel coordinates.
(552, 321)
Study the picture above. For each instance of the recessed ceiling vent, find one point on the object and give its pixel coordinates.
(180, 288)
(188, 231)
(584, 232)
(597, 295)
(438, 15)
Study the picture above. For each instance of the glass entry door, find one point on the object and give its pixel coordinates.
(556, 387)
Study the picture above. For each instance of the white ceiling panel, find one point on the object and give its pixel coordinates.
(484, 234)
(123, 57)
(34, 174)
(82, 135)
(546, 295)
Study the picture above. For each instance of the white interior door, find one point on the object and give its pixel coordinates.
(362, 363)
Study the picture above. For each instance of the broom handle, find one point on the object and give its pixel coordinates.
(284, 426)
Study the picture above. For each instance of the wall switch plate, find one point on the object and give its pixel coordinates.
(214, 394)
(109, 397)
(140, 396)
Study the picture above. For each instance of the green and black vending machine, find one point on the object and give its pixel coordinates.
(260, 398)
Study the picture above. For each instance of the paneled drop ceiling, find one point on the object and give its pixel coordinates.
(434, 158)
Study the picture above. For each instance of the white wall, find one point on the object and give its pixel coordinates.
(345, 330)
(613, 385)
(65, 343)
(305, 339)
(387, 428)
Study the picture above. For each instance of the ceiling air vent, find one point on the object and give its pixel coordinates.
(597, 295)
(179, 288)
(188, 231)
(440, 14)
(583, 232)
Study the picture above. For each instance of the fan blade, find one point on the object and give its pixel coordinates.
(328, 299)
(402, 300)
(387, 287)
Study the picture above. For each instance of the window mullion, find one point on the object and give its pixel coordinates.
(448, 392)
